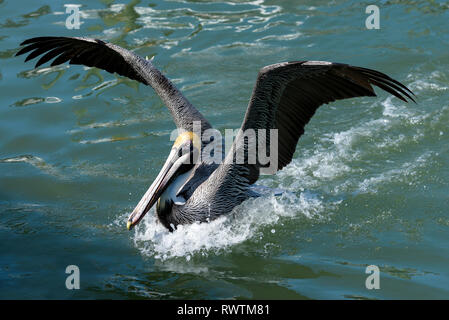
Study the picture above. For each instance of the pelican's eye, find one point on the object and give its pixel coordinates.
(187, 148)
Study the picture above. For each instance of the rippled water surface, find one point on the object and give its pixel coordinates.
(369, 182)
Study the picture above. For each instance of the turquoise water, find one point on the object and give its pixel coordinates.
(368, 185)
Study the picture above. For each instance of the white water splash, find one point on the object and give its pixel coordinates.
(403, 174)
(245, 223)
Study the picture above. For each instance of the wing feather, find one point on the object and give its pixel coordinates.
(114, 59)
(287, 95)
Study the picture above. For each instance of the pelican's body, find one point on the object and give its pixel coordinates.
(285, 97)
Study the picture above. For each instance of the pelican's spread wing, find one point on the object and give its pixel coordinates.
(112, 58)
(285, 97)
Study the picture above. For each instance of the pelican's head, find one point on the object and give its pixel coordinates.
(182, 158)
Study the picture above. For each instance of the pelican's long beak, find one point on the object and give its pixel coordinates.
(156, 189)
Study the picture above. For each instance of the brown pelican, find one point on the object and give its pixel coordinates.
(285, 97)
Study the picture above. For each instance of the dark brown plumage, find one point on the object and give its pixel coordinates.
(287, 95)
